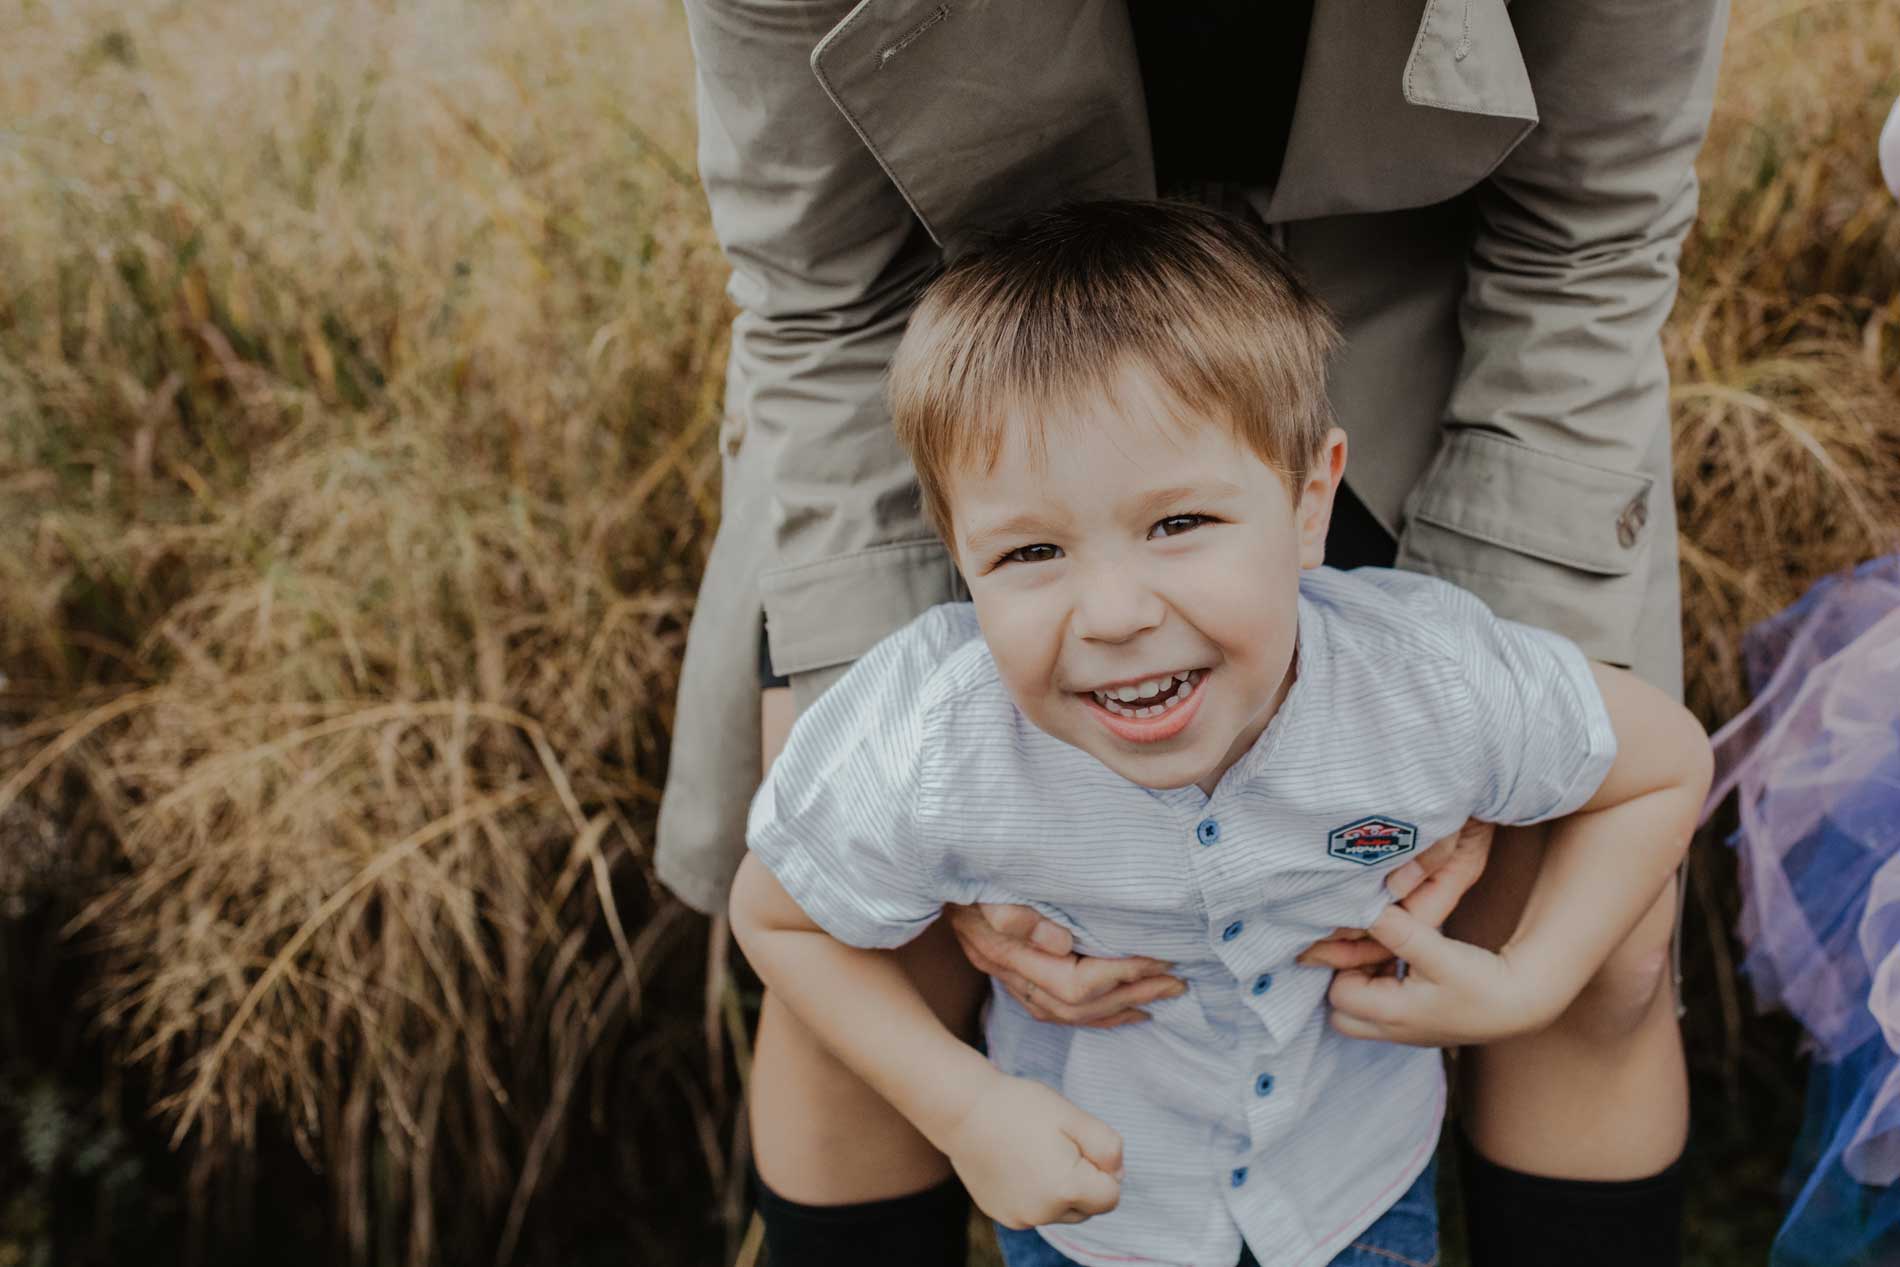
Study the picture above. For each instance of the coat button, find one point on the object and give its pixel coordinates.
(1208, 832)
(1629, 524)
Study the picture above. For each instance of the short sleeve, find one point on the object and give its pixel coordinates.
(836, 819)
(1538, 723)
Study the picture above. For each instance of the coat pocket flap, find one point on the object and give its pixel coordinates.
(1499, 490)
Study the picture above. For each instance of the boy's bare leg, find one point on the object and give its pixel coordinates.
(819, 1135)
(1603, 1094)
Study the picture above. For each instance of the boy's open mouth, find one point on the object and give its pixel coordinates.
(1149, 698)
(1156, 717)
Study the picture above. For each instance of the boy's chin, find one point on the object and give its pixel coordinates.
(1159, 771)
(1161, 766)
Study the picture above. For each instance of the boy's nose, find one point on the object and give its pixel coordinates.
(1113, 604)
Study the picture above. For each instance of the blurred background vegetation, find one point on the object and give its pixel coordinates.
(359, 378)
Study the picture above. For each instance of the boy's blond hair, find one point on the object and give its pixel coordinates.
(1046, 317)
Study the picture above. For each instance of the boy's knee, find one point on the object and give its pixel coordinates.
(1635, 987)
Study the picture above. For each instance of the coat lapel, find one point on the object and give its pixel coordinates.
(1401, 111)
(980, 110)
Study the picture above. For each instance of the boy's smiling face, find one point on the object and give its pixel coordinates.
(1145, 553)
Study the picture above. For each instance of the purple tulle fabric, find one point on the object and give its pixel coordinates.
(1815, 761)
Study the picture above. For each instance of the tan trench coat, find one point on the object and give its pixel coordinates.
(1492, 199)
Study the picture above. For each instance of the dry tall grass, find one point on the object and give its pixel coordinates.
(1785, 349)
(358, 363)
(1785, 342)
(357, 371)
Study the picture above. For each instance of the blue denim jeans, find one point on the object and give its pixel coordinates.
(1406, 1235)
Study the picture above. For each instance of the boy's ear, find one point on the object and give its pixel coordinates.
(1317, 490)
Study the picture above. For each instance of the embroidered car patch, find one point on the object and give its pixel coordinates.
(1371, 840)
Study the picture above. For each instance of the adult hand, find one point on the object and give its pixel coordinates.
(1429, 887)
(1034, 960)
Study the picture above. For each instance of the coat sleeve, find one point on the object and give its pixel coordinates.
(818, 524)
(1555, 444)
(827, 260)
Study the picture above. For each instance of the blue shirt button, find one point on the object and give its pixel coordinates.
(1263, 1085)
(1231, 931)
(1208, 832)
(1238, 1177)
(1263, 983)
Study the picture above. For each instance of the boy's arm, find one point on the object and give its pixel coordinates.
(1027, 1156)
(1603, 868)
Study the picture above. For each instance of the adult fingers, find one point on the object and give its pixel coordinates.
(1341, 953)
(994, 953)
(1024, 992)
(1135, 994)
(983, 944)
(1022, 923)
(1081, 978)
(1077, 984)
(1117, 1007)
(1116, 1021)
(1075, 980)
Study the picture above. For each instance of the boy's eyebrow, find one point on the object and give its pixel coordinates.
(1159, 499)
(1027, 524)
(1030, 524)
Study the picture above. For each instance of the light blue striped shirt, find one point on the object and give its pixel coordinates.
(915, 781)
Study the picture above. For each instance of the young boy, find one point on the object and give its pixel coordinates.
(1164, 725)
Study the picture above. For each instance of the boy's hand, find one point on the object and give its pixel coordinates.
(1032, 958)
(1430, 886)
(1029, 1157)
(1452, 993)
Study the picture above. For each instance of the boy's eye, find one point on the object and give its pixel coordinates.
(1041, 552)
(1175, 525)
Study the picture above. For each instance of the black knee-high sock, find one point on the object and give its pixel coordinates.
(1517, 1220)
(925, 1229)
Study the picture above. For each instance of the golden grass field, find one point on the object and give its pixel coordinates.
(359, 370)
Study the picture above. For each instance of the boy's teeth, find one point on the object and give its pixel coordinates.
(1117, 698)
